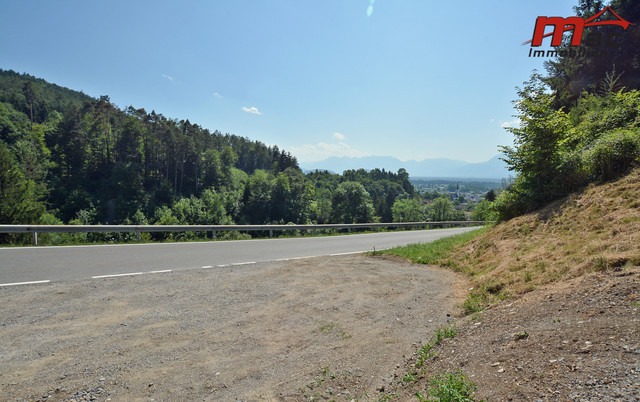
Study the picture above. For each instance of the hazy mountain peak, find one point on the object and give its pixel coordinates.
(494, 168)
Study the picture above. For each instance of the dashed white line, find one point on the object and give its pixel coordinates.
(117, 275)
(298, 258)
(204, 267)
(350, 252)
(23, 283)
(130, 274)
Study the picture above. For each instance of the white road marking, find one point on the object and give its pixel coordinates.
(298, 258)
(207, 266)
(117, 275)
(222, 265)
(350, 252)
(244, 263)
(131, 274)
(23, 283)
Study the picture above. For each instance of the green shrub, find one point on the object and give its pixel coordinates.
(613, 155)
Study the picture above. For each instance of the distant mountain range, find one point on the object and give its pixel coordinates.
(494, 168)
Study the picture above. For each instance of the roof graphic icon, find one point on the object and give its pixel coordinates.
(621, 22)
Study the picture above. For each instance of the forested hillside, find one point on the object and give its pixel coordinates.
(66, 157)
(580, 123)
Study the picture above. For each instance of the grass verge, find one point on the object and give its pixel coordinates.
(437, 252)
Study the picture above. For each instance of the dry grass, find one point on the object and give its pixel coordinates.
(598, 229)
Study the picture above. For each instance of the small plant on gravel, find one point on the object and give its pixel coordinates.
(326, 372)
(424, 353)
(448, 331)
(327, 327)
(477, 316)
(410, 378)
(333, 328)
(317, 382)
(451, 387)
(522, 335)
(388, 397)
(475, 302)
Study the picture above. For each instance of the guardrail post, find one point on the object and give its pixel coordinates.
(35, 238)
(270, 233)
(138, 236)
(213, 234)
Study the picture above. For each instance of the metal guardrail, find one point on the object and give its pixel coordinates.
(35, 229)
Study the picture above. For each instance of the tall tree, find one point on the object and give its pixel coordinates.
(408, 210)
(18, 199)
(441, 210)
(604, 50)
(351, 203)
(30, 95)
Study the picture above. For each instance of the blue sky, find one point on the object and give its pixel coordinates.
(409, 79)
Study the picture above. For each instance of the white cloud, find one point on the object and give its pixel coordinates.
(313, 153)
(510, 124)
(217, 95)
(339, 136)
(167, 77)
(252, 110)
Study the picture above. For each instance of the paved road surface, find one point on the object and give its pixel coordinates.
(27, 264)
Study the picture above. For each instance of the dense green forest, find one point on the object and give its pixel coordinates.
(66, 157)
(579, 123)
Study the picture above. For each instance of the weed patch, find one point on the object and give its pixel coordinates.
(425, 351)
(477, 301)
(450, 387)
(335, 329)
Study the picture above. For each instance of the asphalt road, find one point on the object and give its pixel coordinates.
(70, 263)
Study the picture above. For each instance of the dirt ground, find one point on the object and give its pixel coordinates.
(573, 340)
(336, 326)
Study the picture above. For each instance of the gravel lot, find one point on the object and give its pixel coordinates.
(263, 331)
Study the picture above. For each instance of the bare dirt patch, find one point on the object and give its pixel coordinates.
(572, 340)
(338, 326)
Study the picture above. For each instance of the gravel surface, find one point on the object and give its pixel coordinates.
(261, 331)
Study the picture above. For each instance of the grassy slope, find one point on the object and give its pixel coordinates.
(596, 229)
